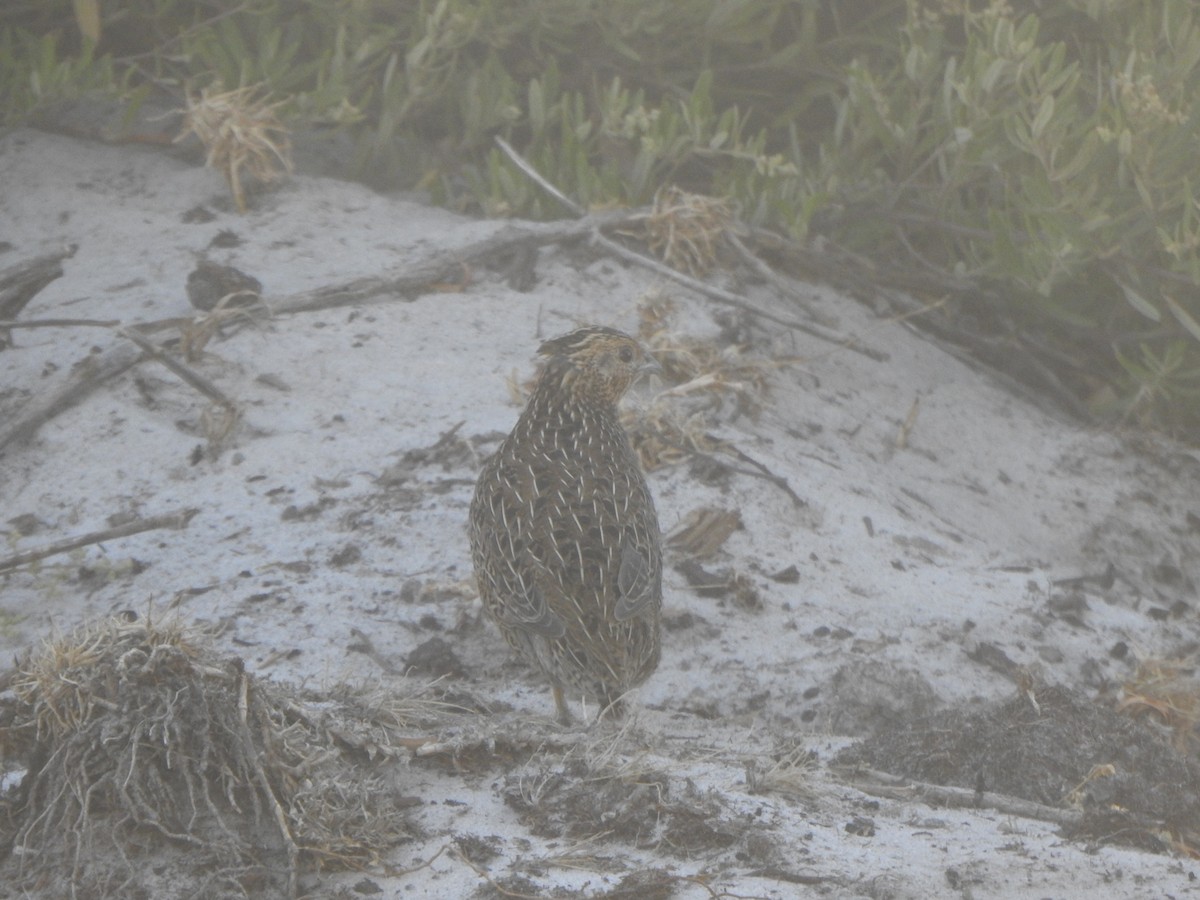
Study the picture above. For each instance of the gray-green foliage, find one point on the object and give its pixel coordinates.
(1045, 151)
(1054, 155)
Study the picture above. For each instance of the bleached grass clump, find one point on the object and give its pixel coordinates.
(138, 739)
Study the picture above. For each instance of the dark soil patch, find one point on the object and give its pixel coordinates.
(1065, 751)
(641, 810)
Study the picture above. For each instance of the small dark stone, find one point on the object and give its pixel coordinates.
(198, 215)
(225, 239)
(348, 555)
(211, 283)
(790, 575)
(436, 657)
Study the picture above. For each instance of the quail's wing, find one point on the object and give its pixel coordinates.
(639, 581)
(530, 603)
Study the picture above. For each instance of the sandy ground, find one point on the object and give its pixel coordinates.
(933, 518)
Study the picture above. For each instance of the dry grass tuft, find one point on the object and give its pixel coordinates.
(1167, 689)
(136, 739)
(241, 135)
(684, 230)
(791, 772)
(711, 382)
(716, 371)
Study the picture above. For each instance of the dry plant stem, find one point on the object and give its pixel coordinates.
(400, 873)
(773, 278)
(195, 379)
(763, 472)
(535, 176)
(177, 520)
(695, 284)
(896, 787)
(730, 299)
(260, 774)
(60, 323)
(462, 857)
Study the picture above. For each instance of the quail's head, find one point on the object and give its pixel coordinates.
(596, 364)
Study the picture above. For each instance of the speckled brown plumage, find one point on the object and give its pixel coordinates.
(564, 535)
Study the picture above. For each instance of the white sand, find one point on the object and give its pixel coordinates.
(989, 502)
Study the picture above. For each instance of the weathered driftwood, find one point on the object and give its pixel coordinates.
(81, 381)
(21, 282)
(408, 282)
(137, 526)
(444, 267)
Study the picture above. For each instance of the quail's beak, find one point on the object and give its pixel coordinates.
(650, 367)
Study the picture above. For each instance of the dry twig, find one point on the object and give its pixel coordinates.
(730, 299)
(177, 520)
(84, 378)
(896, 787)
(189, 375)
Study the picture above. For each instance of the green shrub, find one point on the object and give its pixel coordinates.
(1044, 154)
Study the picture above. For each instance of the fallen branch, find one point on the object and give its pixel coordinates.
(20, 283)
(192, 377)
(411, 281)
(58, 323)
(731, 299)
(84, 378)
(761, 471)
(896, 787)
(176, 520)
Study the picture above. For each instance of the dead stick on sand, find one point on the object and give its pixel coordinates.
(59, 323)
(137, 526)
(897, 787)
(446, 266)
(408, 282)
(84, 378)
(731, 299)
(195, 379)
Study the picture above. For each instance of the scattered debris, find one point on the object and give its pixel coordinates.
(685, 230)
(1066, 751)
(704, 530)
(1168, 691)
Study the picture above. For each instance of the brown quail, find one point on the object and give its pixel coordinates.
(564, 536)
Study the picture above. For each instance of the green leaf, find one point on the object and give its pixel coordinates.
(1044, 114)
(1140, 303)
(1182, 316)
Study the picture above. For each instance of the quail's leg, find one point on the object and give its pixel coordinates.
(614, 709)
(564, 714)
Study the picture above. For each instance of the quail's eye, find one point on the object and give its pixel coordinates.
(626, 354)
